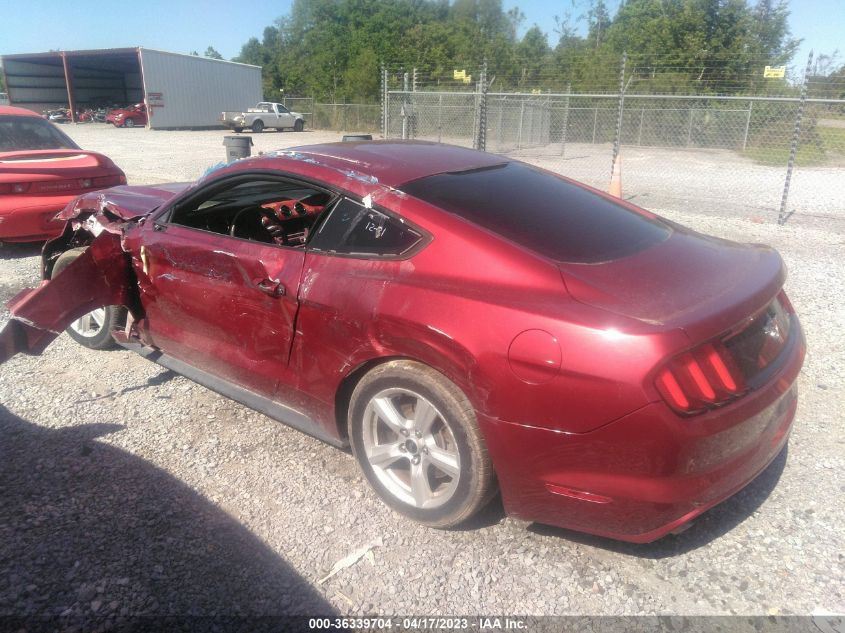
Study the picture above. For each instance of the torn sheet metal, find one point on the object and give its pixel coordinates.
(123, 203)
(101, 276)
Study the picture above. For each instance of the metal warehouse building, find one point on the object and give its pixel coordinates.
(181, 91)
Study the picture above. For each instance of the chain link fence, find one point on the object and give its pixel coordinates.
(765, 158)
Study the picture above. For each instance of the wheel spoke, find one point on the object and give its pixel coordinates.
(97, 318)
(387, 412)
(424, 416)
(384, 455)
(419, 484)
(443, 461)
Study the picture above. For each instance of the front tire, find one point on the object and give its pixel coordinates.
(129, 123)
(258, 126)
(299, 125)
(416, 438)
(92, 330)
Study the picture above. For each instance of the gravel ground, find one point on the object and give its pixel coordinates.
(129, 490)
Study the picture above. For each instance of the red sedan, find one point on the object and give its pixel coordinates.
(41, 170)
(467, 323)
(134, 115)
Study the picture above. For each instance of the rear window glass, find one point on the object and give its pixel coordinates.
(541, 212)
(23, 132)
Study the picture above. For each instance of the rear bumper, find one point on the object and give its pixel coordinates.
(650, 472)
(30, 218)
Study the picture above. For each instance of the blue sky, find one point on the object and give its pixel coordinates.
(182, 26)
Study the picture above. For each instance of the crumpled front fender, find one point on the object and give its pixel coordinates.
(101, 276)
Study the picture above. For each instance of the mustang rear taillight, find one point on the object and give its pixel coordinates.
(698, 380)
(720, 371)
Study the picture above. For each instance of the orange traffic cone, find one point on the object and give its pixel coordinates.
(616, 178)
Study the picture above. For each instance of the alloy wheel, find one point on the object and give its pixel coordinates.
(411, 448)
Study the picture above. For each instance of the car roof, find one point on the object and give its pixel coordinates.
(394, 163)
(13, 111)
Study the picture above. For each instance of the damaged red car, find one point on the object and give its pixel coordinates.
(41, 170)
(130, 116)
(467, 323)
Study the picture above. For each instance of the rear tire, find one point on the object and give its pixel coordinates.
(238, 130)
(94, 329)
(258, 126)
(416, 438)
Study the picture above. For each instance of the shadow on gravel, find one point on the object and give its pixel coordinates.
(91, 534)
(713, 524)
(154, 381)
(19, 251)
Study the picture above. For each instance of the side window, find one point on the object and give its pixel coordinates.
(268, 210)
(353, 229)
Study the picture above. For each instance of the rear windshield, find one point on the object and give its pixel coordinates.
(24, 132)
(542, 212)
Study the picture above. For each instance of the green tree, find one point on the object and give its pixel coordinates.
(212, 53)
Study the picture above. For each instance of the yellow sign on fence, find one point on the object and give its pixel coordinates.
(461, 75)
(774, 72)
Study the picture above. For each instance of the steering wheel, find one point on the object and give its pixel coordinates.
(260, 222)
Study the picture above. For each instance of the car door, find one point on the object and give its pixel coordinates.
(355, 255)
(284, 117)
(223, 304)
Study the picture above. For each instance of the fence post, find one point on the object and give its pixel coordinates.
(384, 101)
(481, 138)
(595, 122)
(440, 118)
(405, 106)
(783, 216)
(747, 125)
(640, 133)
(521, 119)
(565, 119)
(689, 128)
(618, 137)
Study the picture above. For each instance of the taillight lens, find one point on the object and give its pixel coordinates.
(700, 379)
(720, 371)
(69, 185)
(14, 187)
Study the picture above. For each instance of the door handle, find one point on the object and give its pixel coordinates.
(272, 287)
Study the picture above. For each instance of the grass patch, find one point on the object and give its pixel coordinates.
(833, 138)
(807, 155)
(831, 142)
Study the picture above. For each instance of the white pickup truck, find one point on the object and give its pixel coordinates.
(262, 116)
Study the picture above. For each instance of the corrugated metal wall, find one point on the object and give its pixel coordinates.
(35, 86)
(189, 91)
(40, 84)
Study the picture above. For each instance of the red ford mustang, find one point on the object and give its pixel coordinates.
(466, 322)
(41, 170)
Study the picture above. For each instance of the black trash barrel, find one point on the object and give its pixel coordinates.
(351, 138)
(237, 147)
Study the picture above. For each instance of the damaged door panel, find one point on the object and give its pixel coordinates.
(101, 276)
(225, 305)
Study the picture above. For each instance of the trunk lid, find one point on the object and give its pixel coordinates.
(701, 284)
(51, 163)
